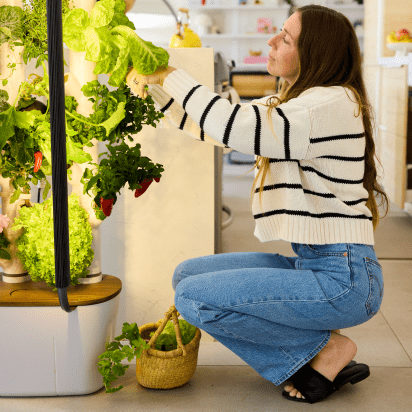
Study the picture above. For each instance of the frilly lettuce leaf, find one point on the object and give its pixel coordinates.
(168, 336)
(108, 38)
(36, 244)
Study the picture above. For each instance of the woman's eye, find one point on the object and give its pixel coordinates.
(284, 39)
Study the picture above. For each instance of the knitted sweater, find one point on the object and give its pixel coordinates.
(313, 193)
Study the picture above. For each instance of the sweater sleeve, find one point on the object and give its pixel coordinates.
(242, 127)
(175, 116)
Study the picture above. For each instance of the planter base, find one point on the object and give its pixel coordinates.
(20, 278)
(45, 351)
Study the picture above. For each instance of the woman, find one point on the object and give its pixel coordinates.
(282, 315)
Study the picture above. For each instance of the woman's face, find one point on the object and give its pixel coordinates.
(283, 60)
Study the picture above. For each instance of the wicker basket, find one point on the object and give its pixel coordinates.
(165, 370)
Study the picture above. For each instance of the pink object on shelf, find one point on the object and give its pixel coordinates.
(255, 59)
(264, 25)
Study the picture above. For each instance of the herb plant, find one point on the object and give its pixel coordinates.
(27, 27)
(110, 365)
(123, 165)
(24, 133)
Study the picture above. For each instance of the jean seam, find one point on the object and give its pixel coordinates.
(369, 310)
(304, 361)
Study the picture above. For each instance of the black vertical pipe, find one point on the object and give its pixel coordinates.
(58, 150)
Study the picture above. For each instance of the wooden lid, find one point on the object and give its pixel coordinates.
(39, 294)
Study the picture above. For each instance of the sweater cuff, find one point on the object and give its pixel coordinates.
(159, 96)
(178, 84)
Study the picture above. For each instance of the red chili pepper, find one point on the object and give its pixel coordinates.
(107, 206)
(145, 184)
(38, 159)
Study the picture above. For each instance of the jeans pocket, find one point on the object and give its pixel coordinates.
(333, 249)
(376, 286)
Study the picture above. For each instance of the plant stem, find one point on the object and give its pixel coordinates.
(48, 98)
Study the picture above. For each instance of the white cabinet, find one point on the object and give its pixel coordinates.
(238, 26)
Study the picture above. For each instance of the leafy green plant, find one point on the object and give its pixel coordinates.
(167, 339)
(124, 164)
(24, 133)
(118, 114)
(25, 128)
(27, 27)
(4, 244)
(110, 365)
(108, 38)
(36, 243)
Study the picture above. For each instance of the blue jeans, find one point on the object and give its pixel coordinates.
(277, 312)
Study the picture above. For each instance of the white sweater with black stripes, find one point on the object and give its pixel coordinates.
(314, 191)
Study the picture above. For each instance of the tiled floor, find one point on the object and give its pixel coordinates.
(223, 382)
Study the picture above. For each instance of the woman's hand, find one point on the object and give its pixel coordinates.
(137, 82)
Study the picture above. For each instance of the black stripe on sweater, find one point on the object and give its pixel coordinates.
(306, 191)
(344, 158)
(189, 95)
(331, 179)
(310, 192)
(182, 124)
(303, 213)
(230, 124)
(287, 132)
(207, 110)
(337, 137)
(257, 130)
(168, 105)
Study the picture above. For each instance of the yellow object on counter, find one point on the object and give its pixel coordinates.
(186, 39)
(391, 38)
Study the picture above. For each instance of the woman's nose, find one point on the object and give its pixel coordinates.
(271, 41)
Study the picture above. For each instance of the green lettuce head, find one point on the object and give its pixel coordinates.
(36, 244)
(166, 341)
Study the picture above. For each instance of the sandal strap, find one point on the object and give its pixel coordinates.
(311, 384)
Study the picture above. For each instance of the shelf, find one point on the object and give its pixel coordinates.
(238, 7)
(243, 36)
(237, 36)
(273, 7)
(398, 61)
(251, 67)
(39, 294)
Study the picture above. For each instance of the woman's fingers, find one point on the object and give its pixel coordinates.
(142, 83)
(137, 83)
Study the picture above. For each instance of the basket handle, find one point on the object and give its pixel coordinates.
(172, 312)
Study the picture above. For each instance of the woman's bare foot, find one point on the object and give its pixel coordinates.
(334, 356)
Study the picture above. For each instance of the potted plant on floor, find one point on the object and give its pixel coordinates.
(166, 353)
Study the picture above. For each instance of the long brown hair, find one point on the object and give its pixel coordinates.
(329, 55)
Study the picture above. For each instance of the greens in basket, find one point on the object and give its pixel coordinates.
(110, 365)
(167, 339)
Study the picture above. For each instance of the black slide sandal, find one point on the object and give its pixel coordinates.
(352, 373)
(315, 387)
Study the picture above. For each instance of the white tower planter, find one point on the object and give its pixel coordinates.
(57, 351)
